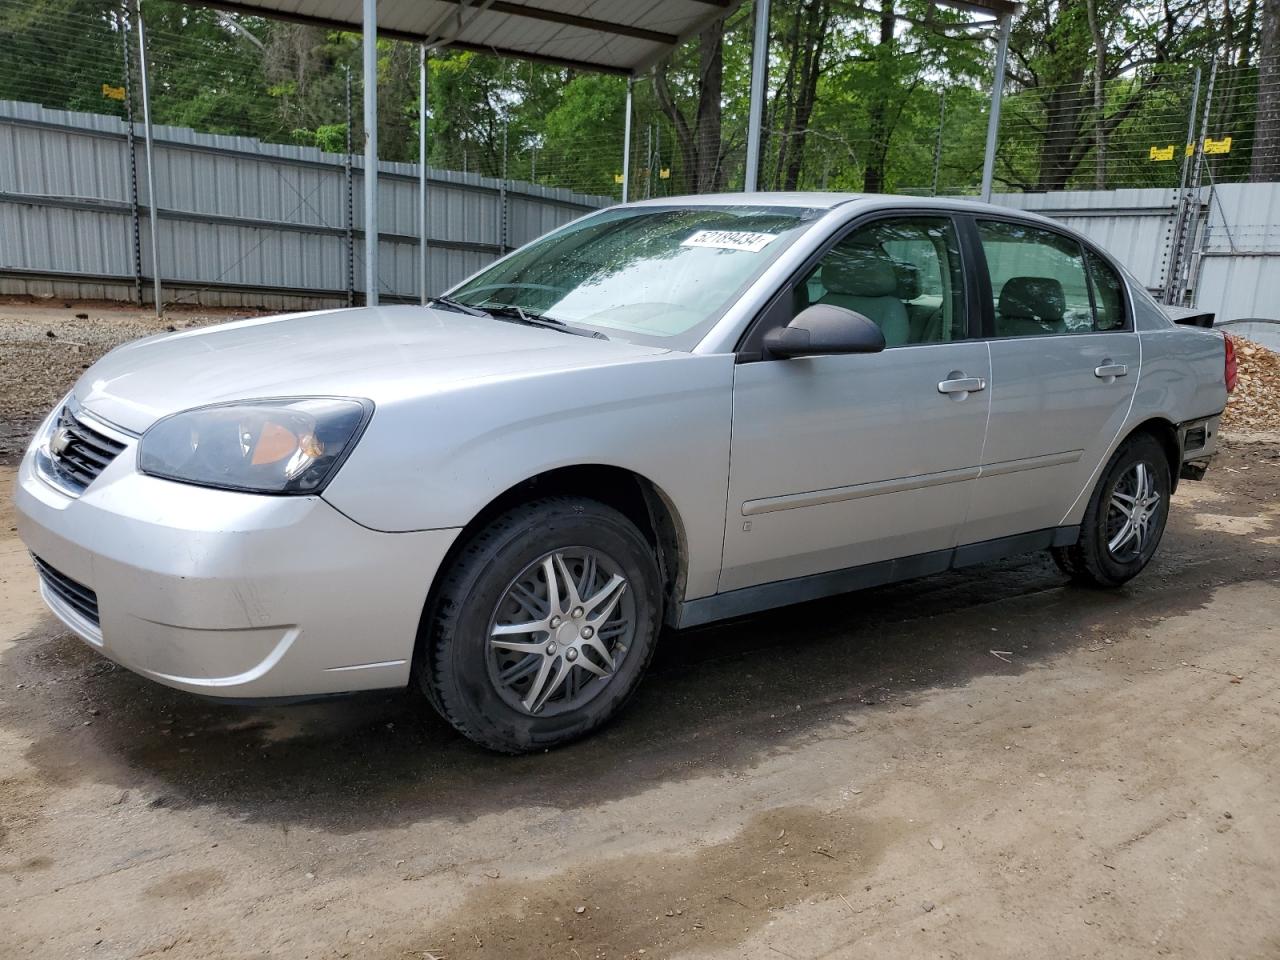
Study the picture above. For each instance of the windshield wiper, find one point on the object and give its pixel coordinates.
(514, 314)
(450, 304)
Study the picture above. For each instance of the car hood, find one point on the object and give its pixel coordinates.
(379, 353)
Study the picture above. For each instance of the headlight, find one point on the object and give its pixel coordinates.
(261, 446)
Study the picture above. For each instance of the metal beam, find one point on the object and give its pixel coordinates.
(574, 20)
(330, 23)
(369, 39)
(755, 112)
(423, 55)
(153, 213)
(993, 118)
(626, 149)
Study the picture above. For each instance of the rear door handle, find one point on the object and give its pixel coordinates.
(962, 385)
(1109, 369)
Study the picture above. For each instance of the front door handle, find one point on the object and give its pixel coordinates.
(962, 385)
(1109, 369)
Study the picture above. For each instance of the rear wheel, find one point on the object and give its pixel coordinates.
(1125, 519)
(543, 627)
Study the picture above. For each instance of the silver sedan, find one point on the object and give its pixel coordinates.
(665, 413)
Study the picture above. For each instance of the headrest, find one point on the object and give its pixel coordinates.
(860, 272)
(1033, 298)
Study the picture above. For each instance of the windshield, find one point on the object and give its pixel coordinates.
(649, 274)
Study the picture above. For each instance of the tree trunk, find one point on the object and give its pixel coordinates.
(873, 179)
(1266, 131)
(699, 139)
(1064, 111)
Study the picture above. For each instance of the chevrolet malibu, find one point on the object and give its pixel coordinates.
(664, 413)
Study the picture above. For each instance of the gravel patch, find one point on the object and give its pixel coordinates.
(46, 345)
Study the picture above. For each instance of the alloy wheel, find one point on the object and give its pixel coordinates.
(1133, 512)
(560, 632)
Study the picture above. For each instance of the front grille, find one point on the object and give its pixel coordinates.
(75, 595)
(77, 452)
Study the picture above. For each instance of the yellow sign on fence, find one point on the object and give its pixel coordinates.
(1211, 147)
(617, 178)
(112, 93)
(664, 173)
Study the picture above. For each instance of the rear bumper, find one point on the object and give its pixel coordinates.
(1198, 441)
(229, 594)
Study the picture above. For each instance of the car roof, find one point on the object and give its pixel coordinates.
(826, 200)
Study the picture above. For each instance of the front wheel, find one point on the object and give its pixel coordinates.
(1125, 519)
(543, 627)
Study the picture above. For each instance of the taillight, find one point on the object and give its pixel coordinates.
(1230, 373)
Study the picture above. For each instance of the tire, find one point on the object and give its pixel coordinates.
(1096, 559)
(479, 669)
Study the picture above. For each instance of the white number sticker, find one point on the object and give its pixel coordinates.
(730, 240)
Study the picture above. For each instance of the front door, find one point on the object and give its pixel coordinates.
(840, 461)
(1064, 365)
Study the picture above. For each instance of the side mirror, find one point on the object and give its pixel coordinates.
(822, 329)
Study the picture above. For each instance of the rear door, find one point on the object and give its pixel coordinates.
(1064, 366)
(841, 461)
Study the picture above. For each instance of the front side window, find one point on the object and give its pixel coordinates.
(903, 274)
(649, 274)
(1039, 284)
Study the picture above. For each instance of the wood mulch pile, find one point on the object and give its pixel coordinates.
(1255, 404)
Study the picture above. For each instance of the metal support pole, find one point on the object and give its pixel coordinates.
(153, 214)
(626, 149)
(422, 174)
(993, 118)
(135, 229)
(755, 112)
(1173, 256)
(369, 26)
(937, 147)
(502, 197)
(349, 217)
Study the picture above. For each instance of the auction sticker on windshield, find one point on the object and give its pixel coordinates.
(730, 240)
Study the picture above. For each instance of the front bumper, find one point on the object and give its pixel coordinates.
(230, 594)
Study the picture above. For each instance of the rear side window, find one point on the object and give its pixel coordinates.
(1108, 294)
(1039, 284)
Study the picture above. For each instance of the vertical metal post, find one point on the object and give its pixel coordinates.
(993, 118)
(422, 174)
(1186, 268)
(153, 214)
(648, 164)
(369, 26)
(135, 227)
(502, 197)
(937, 147)
(626, 149)
(1191, 127)
(755, 111)
(349, 219)
(1173, 257)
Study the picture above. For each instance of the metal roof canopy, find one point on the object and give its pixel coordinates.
(611, 36)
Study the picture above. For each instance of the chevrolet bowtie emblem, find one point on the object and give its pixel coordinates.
(59, 442)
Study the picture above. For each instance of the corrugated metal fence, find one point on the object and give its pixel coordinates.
(241, 222)
(250, 223)
(1232, 252)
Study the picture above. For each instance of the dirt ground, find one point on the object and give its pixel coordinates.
(983, 764)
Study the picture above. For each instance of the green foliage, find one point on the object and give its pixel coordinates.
(870, 117)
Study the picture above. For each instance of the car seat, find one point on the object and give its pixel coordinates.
(1030, 306)
(865, 280)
